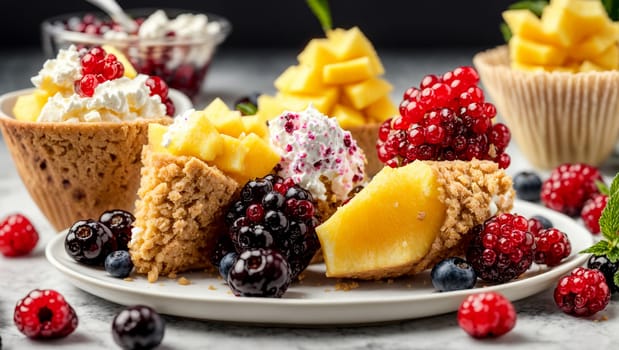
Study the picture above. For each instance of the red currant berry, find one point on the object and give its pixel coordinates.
(551, 246)
(500, 135)
(429, 81)
(582, 293)
(157, 87)
(414, 112)
(434, 134)
(384, 129)
(442, 94)
(467, 75)
(488, 110)
(411, 94)
(85, 87)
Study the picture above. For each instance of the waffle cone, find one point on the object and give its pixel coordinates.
(556, 117)
(179, 214)
(366, 136)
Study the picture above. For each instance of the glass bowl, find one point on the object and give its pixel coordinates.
(181, 61)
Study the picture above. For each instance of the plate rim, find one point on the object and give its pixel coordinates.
(525, 283)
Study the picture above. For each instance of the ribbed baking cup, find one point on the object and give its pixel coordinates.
(554, 117)
(366, 136)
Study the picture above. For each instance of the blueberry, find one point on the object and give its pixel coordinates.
(453, 274)
(528, 186)
(138, 327)
(608, 268)
(226, 264)
(546, 223)
(119, 264)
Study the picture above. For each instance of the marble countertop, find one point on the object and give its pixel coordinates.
(540, 324)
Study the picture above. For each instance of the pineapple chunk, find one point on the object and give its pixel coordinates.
(525, 24)
(574, 20)
(594, 45)
(609, 59)
(381, 110)
(269, 107)
(198, 138)
(526, 51)
(216, 107)
(229, 123)
(367, 92)
(28, 107)
(347, 72)
(318, 52)
(130, 71)
(155, 137)
(323, 102)
(260, 158)
(380, 228)
(347, 117)
(232, 156)
(352, 43)
(588, 66)
(255, 124)
(302, 79)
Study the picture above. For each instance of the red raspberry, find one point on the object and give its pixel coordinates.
(44, 314)
(487, 314)
(501, 248)
(569, 186)
(582, 293)
(17, 236)
(592, 210)
(551, 246)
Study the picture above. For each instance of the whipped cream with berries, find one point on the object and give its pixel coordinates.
(316, 152)
(60, 73)
(115, 100)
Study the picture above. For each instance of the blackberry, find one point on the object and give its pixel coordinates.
(274, 213)
(138, 327)
(89, 242)
(120, 222)
(259, 273)
(608, 268)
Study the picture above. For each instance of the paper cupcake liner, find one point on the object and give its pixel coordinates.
(76, 171)
(556, 117)
(366, 137)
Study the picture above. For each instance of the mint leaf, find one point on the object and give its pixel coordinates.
(535, 6)
(321, 10)
(609, 220)
(602, 187)
(507, 33)
(612, 8)
(598, 249)
(616, 278)
(246, 108)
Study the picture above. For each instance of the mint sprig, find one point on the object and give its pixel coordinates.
(612, 8)
(246, 108)
(535, 6)
(609, 225)
(321, 10)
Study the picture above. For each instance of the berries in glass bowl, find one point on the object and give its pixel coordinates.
(445, 118)
(178, 49)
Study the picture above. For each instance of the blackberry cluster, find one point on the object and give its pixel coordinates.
(276, 214)
(445, 118)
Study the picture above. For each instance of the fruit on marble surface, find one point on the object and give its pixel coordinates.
(237, 145)
(118, 264)
(582, 293)
(444, 118)
(551, 246)
(275, 213)
(528, 186)
(44, 314)
(453, 274)
(138, 327)
(607, 267)
(502, 248)
(340, 75)
(569, 186)
(260, 273)
(120, 222)
(592, 211)
(89, 242)
(486, 315)
(17, 236)
(570, 35)
(367, 233)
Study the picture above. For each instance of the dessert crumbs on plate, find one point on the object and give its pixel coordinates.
(183, 281)
(128, 279)
(212, 287)
(346, 286)
(602, 318)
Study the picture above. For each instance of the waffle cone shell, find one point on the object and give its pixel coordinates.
(76, 171)
(554, 117)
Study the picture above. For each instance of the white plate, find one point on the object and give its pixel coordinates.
(316, 300)
(181, 102)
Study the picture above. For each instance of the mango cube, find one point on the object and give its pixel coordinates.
(594, 45)
(198, 138)
(347, 72)
(323, 102)
(28, 107)
(229, 123)
(155, 137)
(300, 79)
(318, 52)
(352, 43)
(588, 66)
(574, 20)
(367, 92)
(381, 110)
(609, 59)
(260, 158)
(255, 124)
(525, 24)
(526, 51)
(347, 117)
(232, 156)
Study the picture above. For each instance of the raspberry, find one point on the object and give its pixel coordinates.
(582, 293)
(487, 314)
(592, 210)
(551, 246)
(569, 186)
(501, 248)
(446, 118)
(44, 314)
(17, 236)
(274, 213)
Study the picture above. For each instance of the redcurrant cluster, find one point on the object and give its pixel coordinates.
(446, 118)
(159, 87)
(97, 67)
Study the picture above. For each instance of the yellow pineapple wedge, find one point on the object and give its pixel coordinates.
(409, 218)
